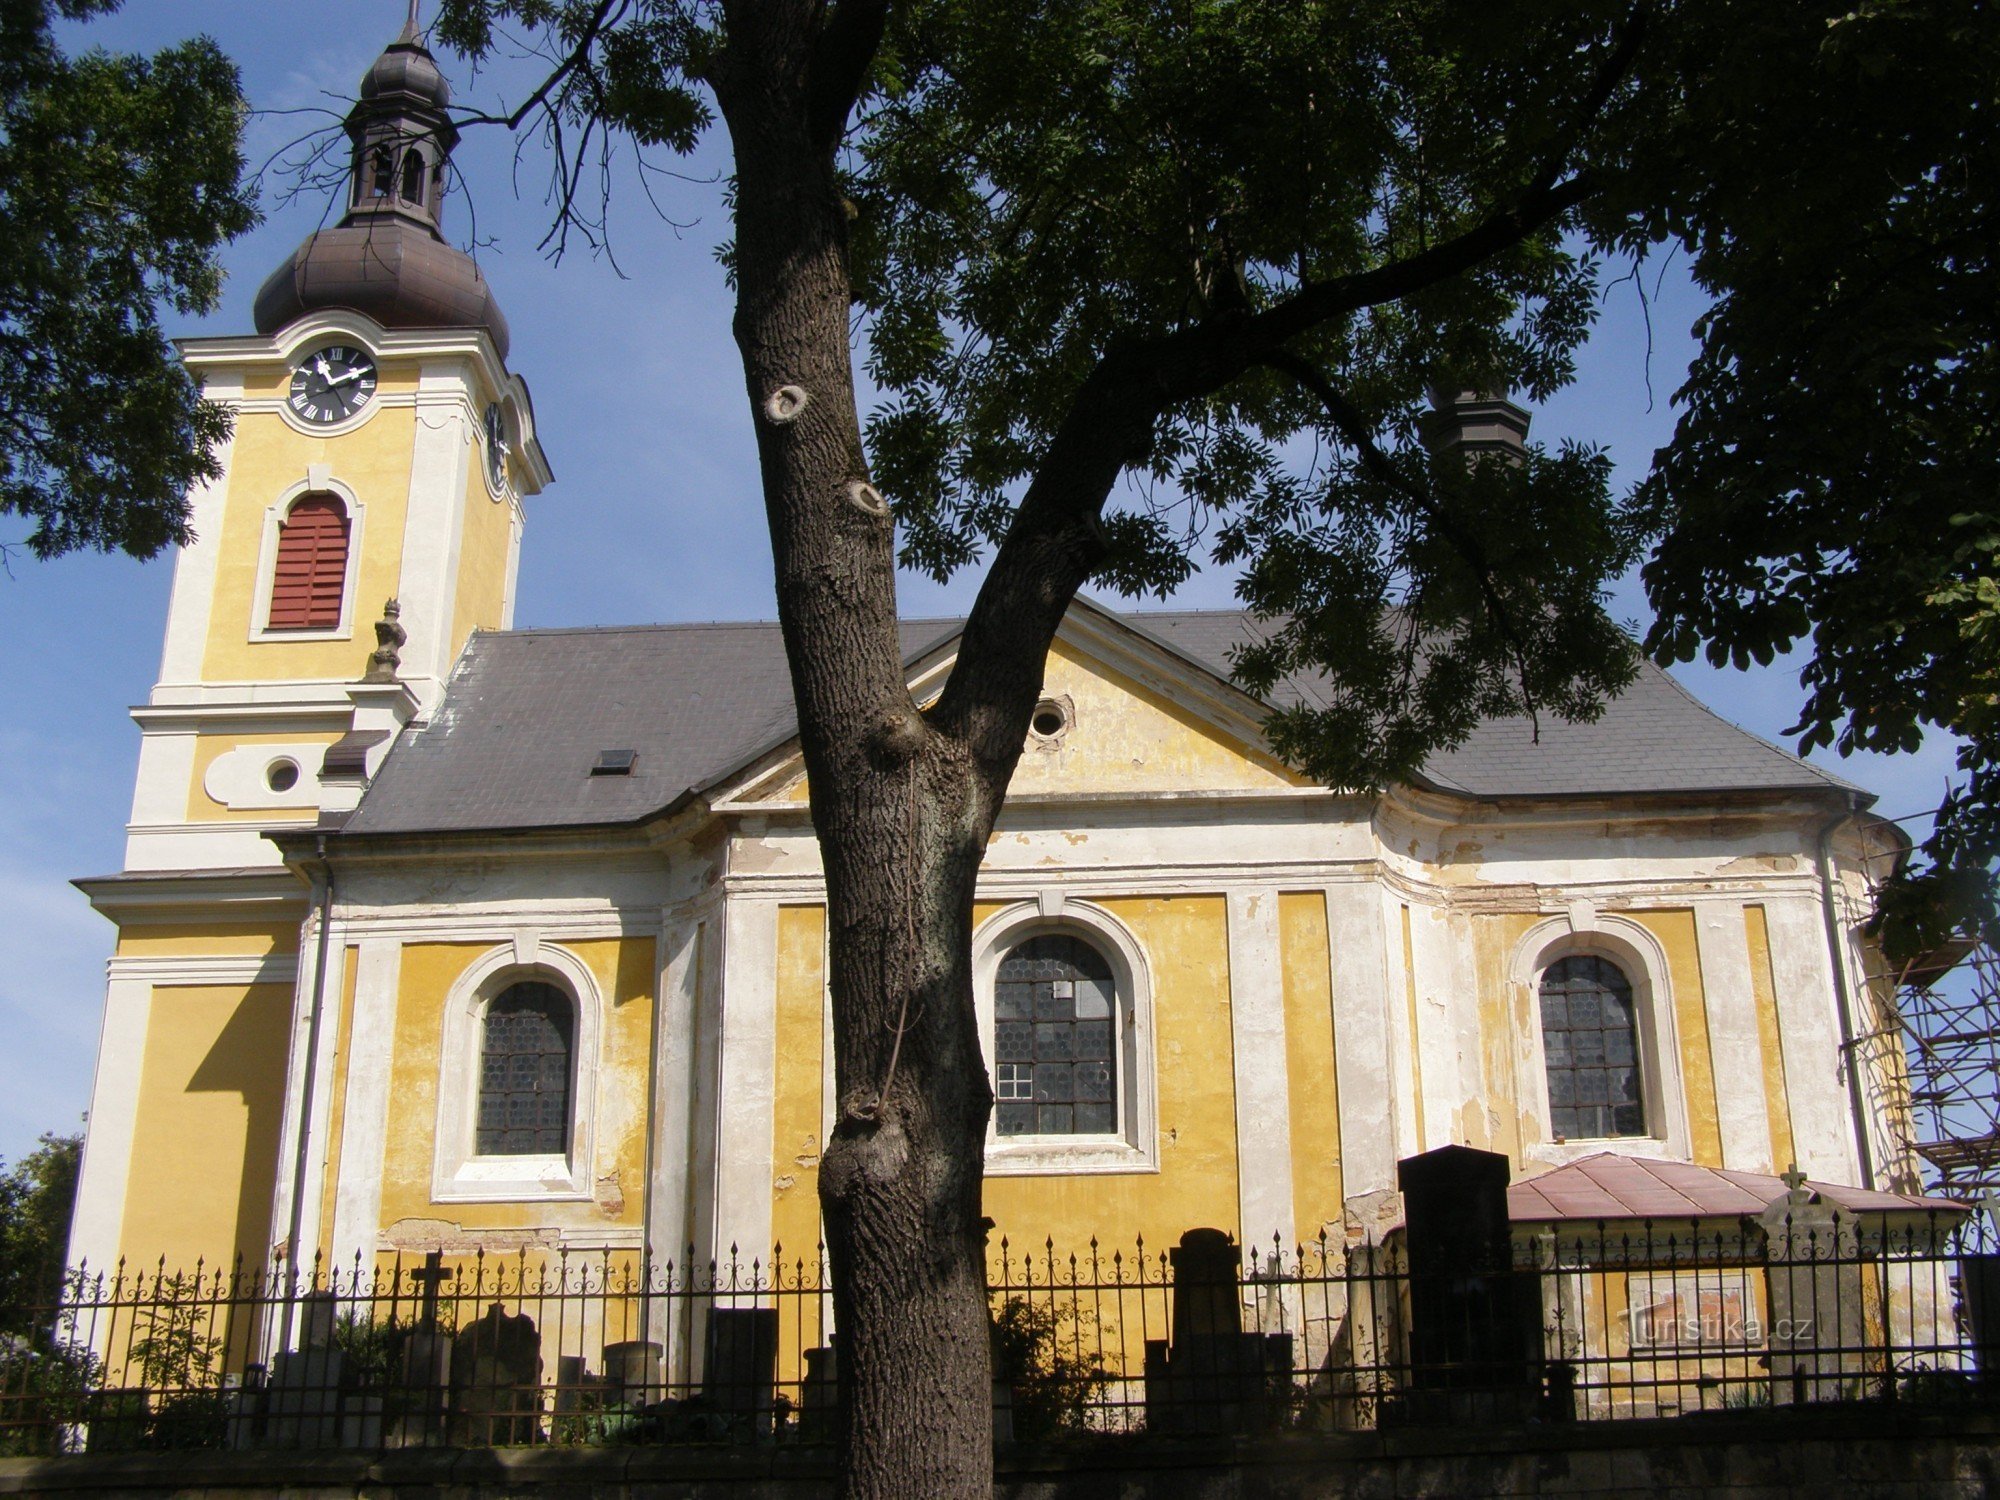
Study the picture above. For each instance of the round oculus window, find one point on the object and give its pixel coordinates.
(1050, 719)
(281, 775)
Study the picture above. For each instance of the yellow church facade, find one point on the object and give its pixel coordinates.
(435, 934)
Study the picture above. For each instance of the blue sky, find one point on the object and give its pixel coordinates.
(655, 514)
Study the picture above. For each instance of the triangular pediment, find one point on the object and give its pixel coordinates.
(1140, 719)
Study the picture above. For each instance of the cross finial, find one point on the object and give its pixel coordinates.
(1795, 1182)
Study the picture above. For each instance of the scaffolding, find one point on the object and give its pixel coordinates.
(1947, 1008)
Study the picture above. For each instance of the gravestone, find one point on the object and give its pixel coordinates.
(741, 1369)
(1816, 1332)
(305, 1387)
(417, 1407)
(1475, 1327)
(1213, 1376)
(634, 1370)
(496, 1380)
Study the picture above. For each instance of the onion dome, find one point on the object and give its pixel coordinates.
(386, 258)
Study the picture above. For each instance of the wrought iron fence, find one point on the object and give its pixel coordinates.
(542, 1346)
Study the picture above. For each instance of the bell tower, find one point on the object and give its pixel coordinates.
(382, 450)
(367, 520)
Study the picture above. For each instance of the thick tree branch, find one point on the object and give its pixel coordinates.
(1313, 305)
(841, 59)
(1055, 541)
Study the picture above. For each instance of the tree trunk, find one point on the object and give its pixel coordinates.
(901, 810)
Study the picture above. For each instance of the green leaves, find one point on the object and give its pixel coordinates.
(118, 184)
(1047, 186)
(1836, 177)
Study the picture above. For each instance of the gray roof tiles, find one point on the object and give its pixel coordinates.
(526, 714)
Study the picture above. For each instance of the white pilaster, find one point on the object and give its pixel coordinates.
(1815, 1079)
(322, 1092)
(1357, 943)
(1263, 1094)
(114, 1111)
(676, 1054)
(371, 1055)
(747, 1092)
(439, 473)
(1738, 1050)
(193, 596)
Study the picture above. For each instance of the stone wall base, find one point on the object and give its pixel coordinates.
(1852, 1453)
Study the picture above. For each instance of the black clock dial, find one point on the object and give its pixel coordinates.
(496, 446)
(332, 383)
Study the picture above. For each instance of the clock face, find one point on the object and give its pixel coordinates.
(496, 446)
(332, 383)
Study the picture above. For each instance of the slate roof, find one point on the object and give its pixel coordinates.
(526, 713)
(1609, 1186)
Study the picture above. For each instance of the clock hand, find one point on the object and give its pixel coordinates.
(319, 364)
(354, 374)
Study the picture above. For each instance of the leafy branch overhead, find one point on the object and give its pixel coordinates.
(119, 183)
(1146, 283)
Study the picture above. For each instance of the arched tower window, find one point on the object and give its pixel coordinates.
(1055, 1043)
(413, 176)
(1590, 1041)
(385, 172)
(525, 1065)
(311, 570)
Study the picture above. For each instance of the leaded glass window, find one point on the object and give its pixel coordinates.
(1590, 1040)
(524, 1072)
(1055, 1030)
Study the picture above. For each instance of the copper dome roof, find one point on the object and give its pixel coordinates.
(386, 258)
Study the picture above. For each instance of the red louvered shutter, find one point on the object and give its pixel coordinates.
(312, 566)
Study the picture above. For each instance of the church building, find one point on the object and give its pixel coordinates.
(437, 934)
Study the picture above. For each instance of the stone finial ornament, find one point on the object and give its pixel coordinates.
(384, 660)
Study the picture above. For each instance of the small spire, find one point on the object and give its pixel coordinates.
(410, 32)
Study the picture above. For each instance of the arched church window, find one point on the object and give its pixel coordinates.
(1055, 1043)
(385, 172)
(1590, 1043)
(311, 571)
(525, 1065)
(413, 176)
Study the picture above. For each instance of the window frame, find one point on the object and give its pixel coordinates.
(459, 1173)
(1134, 1145)
(275, 516)
(1638, 1062)
(1643, 961)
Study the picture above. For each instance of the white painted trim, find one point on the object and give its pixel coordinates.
(316, 482)
(433, 523)
(1369, 1089)
(1734, 1040)
(319, 1137)
(269, 968)
(1262, 1065)
(1638, 953)
(193, 599)
(746, 1091)
(1809, 1026)
(669, 1227)
(371, 1055)
(458, 1173)
(96, 1225)
(1136, 1148)
(240, 778)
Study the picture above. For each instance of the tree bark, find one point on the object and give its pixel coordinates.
(901, 811)
(903, 798)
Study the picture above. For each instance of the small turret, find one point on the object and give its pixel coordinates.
(386, 257)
